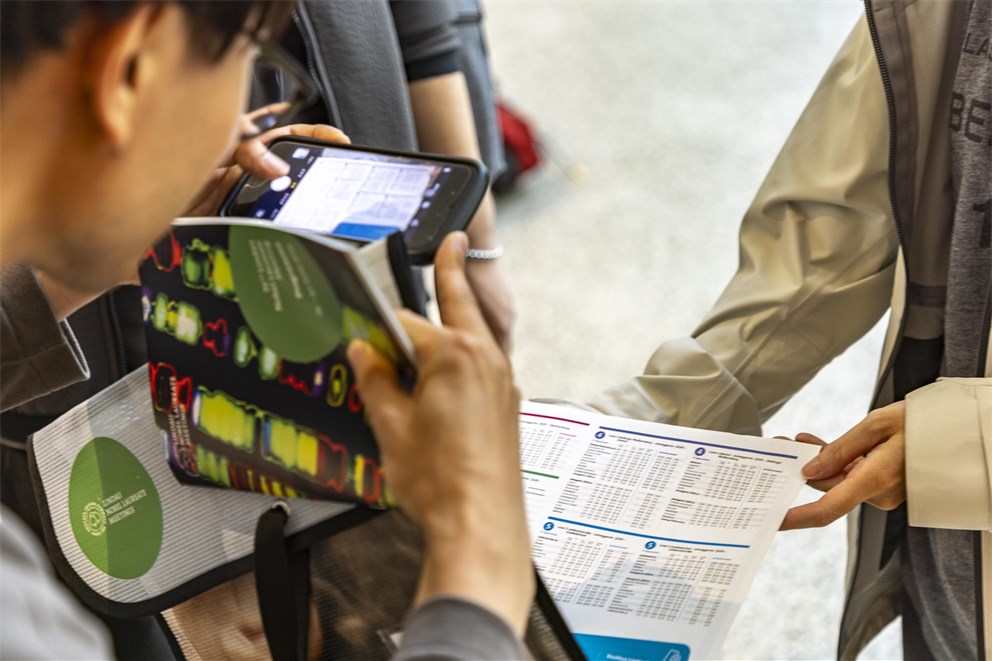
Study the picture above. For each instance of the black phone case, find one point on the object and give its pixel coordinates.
(425, 242)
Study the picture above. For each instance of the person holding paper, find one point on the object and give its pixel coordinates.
(879, 200)
(138, 102)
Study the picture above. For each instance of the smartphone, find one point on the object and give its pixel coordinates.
(364, 194)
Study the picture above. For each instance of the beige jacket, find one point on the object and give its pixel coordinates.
(852, 220)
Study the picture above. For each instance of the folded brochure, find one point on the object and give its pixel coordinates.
(247, 326)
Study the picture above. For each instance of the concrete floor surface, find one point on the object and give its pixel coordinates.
(662, 119)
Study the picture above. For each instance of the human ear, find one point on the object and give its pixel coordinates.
(121, 57)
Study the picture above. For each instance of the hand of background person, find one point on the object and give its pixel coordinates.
(495, 300)
(486, 277)
(866, 464)
(254, 157)
(225, 623)
(450, 449)
(442, 113)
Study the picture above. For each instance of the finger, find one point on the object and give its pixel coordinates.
(319, 132)
(420, 329)
(427, 338)
(792, 521)
(834, 504)
(458, 305)
(256, 159)
(324, 132)
(812, 515)
(835, 456)
(271, 109)
(246, 125)
(810, 439)
(803, 437)
(850, 466)
(388, 404)
(826, 484)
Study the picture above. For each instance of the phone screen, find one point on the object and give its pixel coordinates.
(350, 194)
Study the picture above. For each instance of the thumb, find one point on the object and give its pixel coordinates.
(810, 439)
(256, 159)
(388, 405)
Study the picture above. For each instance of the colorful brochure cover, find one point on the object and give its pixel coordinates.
(247, 327)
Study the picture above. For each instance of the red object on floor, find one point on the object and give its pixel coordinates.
(520, 145)
(518, 138)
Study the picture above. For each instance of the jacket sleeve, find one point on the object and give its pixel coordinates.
(446, 628)
(39, 354)
(817, 255)
(949, 454)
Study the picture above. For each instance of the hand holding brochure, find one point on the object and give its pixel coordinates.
(648, 536)
(247, 326)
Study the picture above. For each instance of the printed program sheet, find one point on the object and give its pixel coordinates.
(648, 536)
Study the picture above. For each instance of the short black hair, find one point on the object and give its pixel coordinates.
(28, 27)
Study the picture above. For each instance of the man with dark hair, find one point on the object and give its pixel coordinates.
(113, 116)
(98, 101)
(28, 28)
(123, 95)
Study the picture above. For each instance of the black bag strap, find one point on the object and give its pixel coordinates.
(282, 581)
(409, 282)
(555, 620)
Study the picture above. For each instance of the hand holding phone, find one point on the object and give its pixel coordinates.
(364, 194)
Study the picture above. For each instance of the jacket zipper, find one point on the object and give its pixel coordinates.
(980, 632)
(980, 605)
(983, 355)
(891, 179)
(890, 103)
(318, 73)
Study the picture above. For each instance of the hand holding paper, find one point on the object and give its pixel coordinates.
(867, 464)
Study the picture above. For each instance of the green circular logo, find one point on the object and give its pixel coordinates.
(283, 293)
(114, 509)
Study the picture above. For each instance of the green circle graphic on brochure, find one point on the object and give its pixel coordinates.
(283, 293)
(114, 509)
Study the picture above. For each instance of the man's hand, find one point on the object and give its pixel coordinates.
(450, 450)
(867, 464)
(253, 157)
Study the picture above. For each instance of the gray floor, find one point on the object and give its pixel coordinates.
(662, 118)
